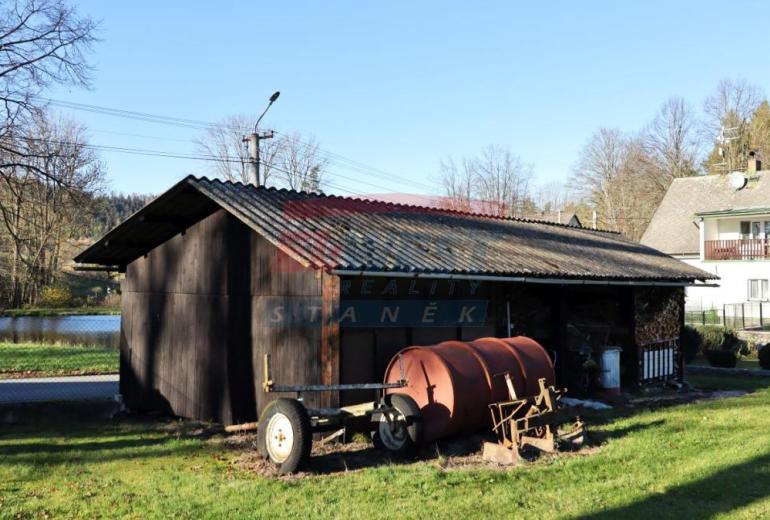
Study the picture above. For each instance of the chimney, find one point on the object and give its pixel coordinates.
(755, 164)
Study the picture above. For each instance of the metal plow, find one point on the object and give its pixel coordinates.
(531, 424)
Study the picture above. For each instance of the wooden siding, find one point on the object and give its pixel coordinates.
(197, 322)
(366, 349)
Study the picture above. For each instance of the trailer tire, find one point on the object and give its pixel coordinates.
(407, 438)
(284, 435)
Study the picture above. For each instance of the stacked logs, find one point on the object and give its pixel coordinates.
(658, 313)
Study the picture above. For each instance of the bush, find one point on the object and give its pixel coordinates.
(55, 296)
(713, 337)
(721, 358)
(721, 346)
(717, 338)
(692, 343)
(764, 356)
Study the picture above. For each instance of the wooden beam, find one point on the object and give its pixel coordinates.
(108, 268)
(120, 243)
(330, 337)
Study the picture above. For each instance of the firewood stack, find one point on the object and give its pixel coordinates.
(658, 313)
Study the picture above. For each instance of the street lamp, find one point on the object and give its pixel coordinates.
(254, 138)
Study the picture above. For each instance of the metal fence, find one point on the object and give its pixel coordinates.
(58, 358)
(659, 361)
(748, 315)
(698, 315)
(738, 316)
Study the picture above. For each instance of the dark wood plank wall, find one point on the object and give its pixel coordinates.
(196, 323)
(365, 351)
(286, 320)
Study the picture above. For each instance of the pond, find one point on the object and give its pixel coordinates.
(86, 330)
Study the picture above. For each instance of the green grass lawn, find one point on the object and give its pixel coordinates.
(62, 311)
(708, 459)
(39, 359)
(743, 362)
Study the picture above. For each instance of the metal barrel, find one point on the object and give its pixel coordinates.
(535, 358)
(454, 382)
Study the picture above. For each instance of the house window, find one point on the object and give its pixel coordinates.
(758, 290)
(745, 229)
(767, 228)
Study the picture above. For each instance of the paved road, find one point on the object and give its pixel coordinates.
(75, 388)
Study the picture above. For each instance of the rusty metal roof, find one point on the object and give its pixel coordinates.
(343, 233)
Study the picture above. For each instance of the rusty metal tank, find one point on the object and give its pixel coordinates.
(454, 382)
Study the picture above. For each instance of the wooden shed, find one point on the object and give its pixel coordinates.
(217, 274)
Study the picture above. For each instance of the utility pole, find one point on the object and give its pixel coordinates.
(253, 140)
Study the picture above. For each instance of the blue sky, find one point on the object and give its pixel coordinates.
(400, 85)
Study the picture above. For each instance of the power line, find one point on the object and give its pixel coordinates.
(136, 151)
(175, 155)
(340, 160)
(190, 156)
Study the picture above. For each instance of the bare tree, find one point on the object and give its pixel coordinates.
(300, 163)
(39, 211)
(289, 160)
(671, 143)
(732, 103)
(224, 143)
(551, 196)
(503, 180)
(617, 177)
(496, 181)
(42, 43)
(728, 116)
(458, 183)
(599, 165)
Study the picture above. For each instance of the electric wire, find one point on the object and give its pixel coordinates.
(340, 160)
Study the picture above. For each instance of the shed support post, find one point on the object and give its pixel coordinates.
(561, 335)
(631, 355)
(330, 337)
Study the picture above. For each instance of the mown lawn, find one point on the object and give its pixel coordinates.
(62, 311)
(709, 459)
(743, 362)
(39, 360)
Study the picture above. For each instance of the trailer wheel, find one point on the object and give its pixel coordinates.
(284, 435)
(400, 429)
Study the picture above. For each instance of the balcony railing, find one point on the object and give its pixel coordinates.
(745, 249)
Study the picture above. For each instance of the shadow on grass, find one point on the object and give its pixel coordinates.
(722, 492)
(49, 444)
(597, 436)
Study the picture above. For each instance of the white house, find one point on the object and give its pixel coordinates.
(721, 224)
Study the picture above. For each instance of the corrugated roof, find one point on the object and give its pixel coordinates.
(673, 229)
(333, 232)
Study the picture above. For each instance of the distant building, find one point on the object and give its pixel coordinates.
(559, 217)
(721, 224)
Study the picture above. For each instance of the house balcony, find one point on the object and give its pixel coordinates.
(742, 249)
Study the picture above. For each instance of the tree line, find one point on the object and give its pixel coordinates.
(48, 173)
(622, 175)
